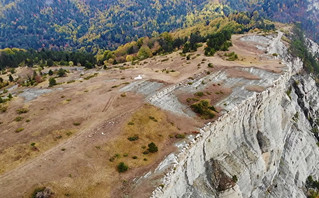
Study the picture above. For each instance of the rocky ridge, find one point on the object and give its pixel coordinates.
(261, 147)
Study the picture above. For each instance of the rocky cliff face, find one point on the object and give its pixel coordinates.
(262, 147)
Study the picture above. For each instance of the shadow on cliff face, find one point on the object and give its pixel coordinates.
(218, 179)
(263, 142)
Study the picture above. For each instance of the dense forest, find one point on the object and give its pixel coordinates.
(287, 11)
(107, 24)
(92, 24)
(215, 33)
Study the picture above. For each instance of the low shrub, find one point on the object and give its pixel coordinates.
(231, 56)
(180, 136)
(189, 100)
(18, 130)
(204, 109)
(152, 118)
(152, 148)
(122, 167)
(199, 94)
(133, 138)
(22, 110)
(18, 119)
(3, 108)
(76, 123)
(52, 82)
(235, 179)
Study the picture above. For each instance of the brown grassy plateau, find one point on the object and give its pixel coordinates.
(72, 137)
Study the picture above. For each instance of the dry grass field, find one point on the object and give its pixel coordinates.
(71, 137)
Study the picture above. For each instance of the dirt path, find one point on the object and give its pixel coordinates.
(108, 104)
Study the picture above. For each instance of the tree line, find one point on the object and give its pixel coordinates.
(214, 34)
(20, 57)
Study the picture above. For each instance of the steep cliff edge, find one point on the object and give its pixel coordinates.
(262, 147)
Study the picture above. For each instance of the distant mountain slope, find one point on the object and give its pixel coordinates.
(85, 23)
(304, 11)
(94, 24)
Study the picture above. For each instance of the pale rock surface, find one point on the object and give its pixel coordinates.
(264, 139)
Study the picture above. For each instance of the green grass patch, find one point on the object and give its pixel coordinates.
(18, 130)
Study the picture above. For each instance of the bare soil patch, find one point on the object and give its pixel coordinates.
(255, 88)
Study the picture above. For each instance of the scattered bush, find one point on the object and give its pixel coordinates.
(210, 65)
(122, 167)
(152, 118)
(18, 119)
(152, 148)
(52, 82)
(231, 56)
(134, 157)
(199, 94)
(204, 109)
(189, 100)
(180, 136)
(76, 123)
(296, 117)
(131, 123)
(69, 133)
(61, 72)
(235, 179)
(18, 130)
(315, 130)
(22, 110)
(133, 138)
(50, 72)
(146, 152)
(114, 157)
(71, 81)
(91, 76)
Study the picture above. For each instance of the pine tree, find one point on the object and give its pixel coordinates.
(11, 78)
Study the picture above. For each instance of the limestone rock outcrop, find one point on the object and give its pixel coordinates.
(262, 147)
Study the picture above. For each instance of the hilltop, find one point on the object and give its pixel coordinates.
(70, 136)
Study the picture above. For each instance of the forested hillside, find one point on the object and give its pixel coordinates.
(92, 23)
(215, 33)
(106, 24)
(305, 12)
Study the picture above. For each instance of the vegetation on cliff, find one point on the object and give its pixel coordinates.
(299, 48)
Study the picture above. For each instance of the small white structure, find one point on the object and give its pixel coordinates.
(139, 77)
